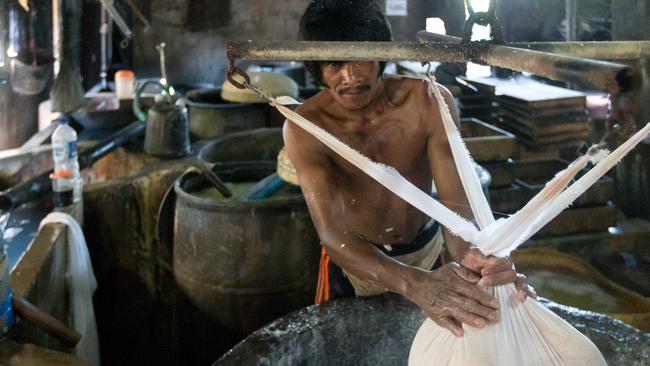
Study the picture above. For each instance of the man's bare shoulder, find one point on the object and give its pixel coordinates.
(313, 108)
(296, 138)
(410, 80)
(420, 84)
(402, 87)
(421, 90)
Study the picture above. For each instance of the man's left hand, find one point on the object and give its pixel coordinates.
(496, 271)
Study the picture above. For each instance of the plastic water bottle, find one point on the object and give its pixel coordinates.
(66, 180)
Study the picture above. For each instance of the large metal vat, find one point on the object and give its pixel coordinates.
(569, 280)
(243, 264)
(379, 331)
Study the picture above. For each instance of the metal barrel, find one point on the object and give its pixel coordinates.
(210, 116)
(243, 264)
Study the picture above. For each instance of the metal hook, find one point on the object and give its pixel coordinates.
(231, 54)
(428, 64)
(236, 70)
(257, 91)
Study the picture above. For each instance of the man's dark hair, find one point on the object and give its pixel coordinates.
(341, 21)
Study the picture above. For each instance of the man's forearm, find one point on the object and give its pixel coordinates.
(456, 246)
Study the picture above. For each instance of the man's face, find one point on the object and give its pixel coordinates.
(353, 84)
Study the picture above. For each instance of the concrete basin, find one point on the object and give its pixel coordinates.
(37, 258)
(19, 165)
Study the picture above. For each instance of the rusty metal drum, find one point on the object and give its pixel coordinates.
(242, 263)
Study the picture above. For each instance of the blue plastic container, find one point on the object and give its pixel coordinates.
(6, 312)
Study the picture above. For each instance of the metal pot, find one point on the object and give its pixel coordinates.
(167, 132)
(210, 116)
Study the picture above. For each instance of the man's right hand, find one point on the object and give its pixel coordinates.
(450, 296)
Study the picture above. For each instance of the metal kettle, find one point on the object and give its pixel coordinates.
(167, 129)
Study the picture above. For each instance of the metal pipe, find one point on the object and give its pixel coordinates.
(105, 27)
(584, 72)
(121, 23)
(570, 9)
(611, 50)
(346, 51)
(428, 37)
(56, 36)
(588, 73)
(139, 14)
(3, 29)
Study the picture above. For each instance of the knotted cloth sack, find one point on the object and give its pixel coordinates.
(528, 334)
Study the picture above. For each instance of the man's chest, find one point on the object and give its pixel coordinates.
(392, 141)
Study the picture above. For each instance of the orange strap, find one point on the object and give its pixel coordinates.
(323, 286)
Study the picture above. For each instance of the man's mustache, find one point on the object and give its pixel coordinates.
(354, 89)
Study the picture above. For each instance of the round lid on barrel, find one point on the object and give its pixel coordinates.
(272, 83)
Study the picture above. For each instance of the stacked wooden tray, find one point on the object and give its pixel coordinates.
(548, 121)
(543, 117)
(476, 100)
(494, 149)
(487, 143)
(591, 212)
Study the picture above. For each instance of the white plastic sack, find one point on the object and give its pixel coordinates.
(81, 284)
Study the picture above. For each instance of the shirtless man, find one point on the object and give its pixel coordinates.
(380, 242)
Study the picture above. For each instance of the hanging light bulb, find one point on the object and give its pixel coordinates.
(11, 52)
